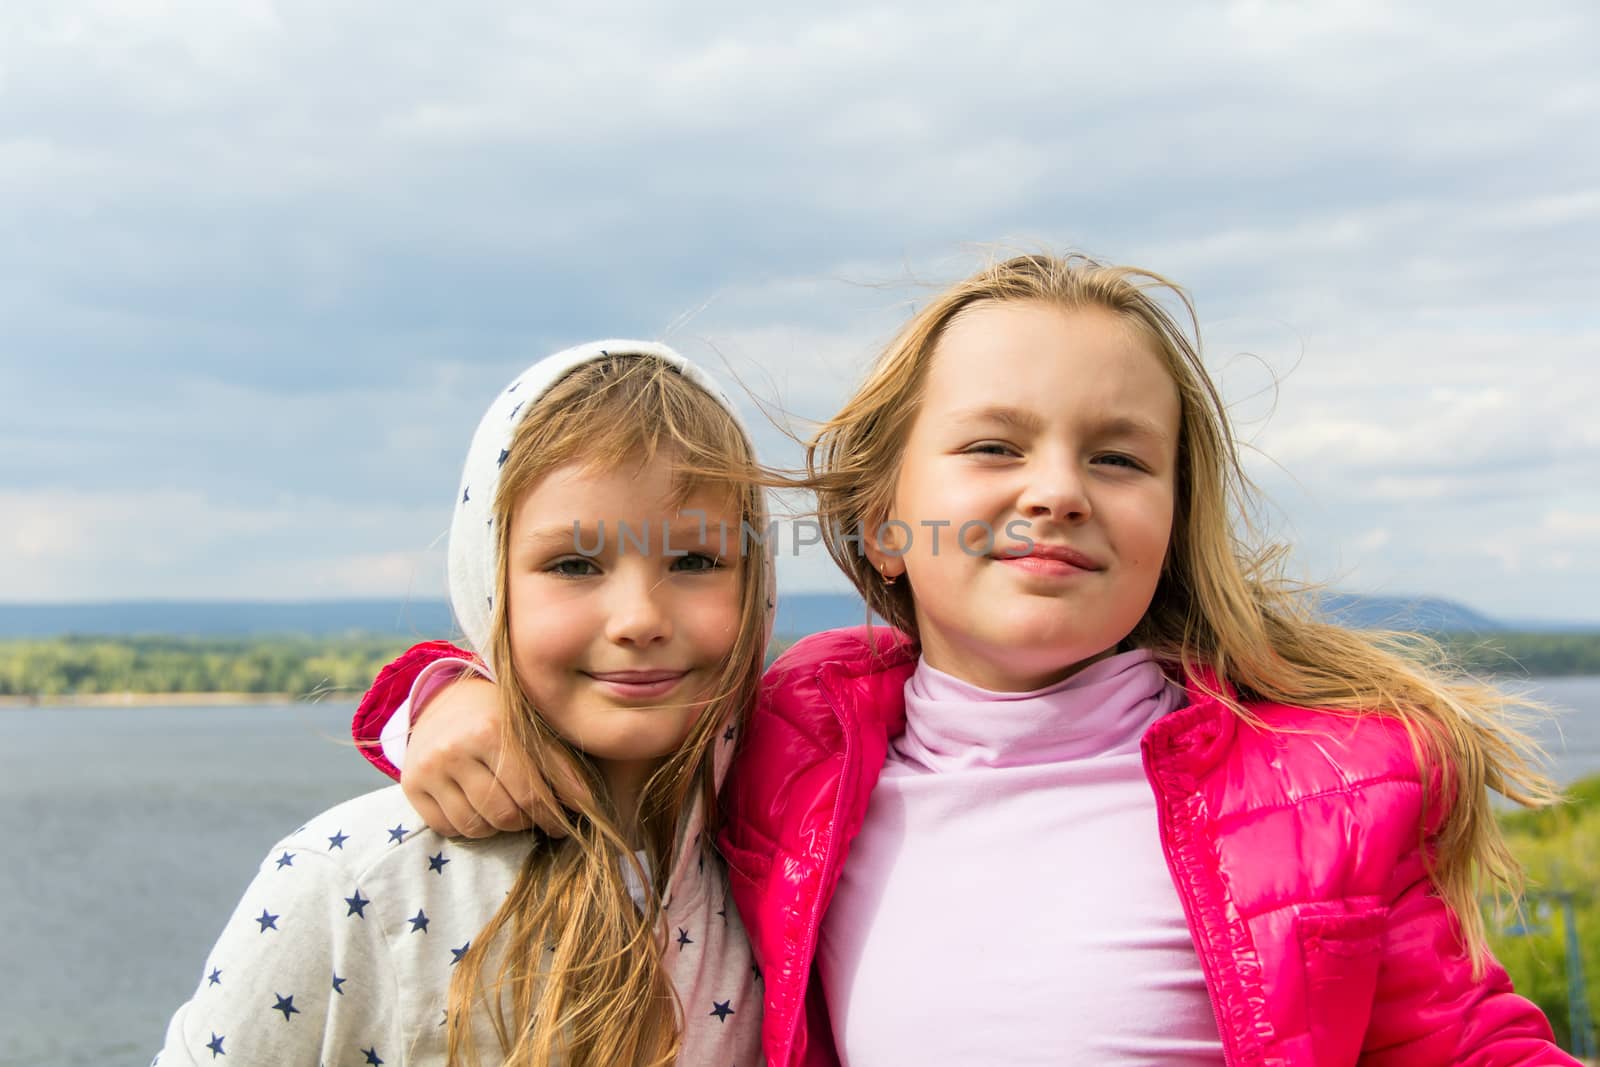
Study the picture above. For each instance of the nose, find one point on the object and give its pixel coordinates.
(1054, 490)
(638, 609)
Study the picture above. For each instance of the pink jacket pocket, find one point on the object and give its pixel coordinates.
(1342, 953)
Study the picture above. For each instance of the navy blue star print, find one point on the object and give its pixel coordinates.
(271, 981)
(504, 455)
(515, 410)
(727, 735)
(464, 496)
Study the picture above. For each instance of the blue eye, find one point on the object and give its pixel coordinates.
(696, 563)
(573, 567)
(1117, 459)
(989, 448)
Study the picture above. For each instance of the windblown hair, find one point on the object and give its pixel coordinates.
(1222, 607)
(569, 970)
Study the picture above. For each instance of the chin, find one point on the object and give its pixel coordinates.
(636, 749)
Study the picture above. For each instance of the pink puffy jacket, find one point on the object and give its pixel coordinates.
(1297, 853)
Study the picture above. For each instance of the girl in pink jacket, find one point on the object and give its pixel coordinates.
(1108, 792)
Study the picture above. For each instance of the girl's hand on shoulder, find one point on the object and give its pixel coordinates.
(459, 777)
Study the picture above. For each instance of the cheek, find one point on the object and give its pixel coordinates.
(1156, 544)
(545, 631)
(952, 499)
(715, 623)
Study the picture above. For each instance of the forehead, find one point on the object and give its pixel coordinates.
(1047, 360)
(585, 490)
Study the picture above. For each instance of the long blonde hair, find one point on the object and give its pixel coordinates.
(1222, 605)
(580, 978)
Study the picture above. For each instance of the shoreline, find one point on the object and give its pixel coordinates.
(147, 700)
(225, 699)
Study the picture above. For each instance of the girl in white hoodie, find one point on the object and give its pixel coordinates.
(622, 661)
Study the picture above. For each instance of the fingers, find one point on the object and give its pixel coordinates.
(535, 799)
(430, 810)
(472, 805)
(493, 805)
(460, 778)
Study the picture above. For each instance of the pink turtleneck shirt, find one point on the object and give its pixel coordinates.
(1007, 900)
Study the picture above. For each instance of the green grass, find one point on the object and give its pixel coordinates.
(1560, 849)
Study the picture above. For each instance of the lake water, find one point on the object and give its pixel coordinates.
(129, 834)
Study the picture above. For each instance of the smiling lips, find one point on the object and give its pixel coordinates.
(1050, 560)
(638, 685)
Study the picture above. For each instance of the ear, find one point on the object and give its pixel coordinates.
(885, 541)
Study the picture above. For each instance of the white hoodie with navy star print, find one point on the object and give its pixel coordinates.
(342, 949)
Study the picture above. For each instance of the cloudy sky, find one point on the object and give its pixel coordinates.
(263, 264)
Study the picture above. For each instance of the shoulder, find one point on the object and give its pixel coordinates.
(1337, 776)
(1321, 749)
(361, 832)
(378, 837)
(861, 666)
(853, 649)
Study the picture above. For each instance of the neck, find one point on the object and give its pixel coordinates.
(625, 781)
(989, 672)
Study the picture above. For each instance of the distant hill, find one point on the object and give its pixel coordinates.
(222, 618)
(1424, 613)
(798, 613)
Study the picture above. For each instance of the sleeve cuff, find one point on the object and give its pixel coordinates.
(432, 678)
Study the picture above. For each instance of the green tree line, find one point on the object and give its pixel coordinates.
(299, 666)
(1541, 654)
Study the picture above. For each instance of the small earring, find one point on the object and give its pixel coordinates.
(888, 579)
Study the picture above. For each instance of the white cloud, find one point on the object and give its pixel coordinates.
(270, 253)
(1572, 527)
(73, 545)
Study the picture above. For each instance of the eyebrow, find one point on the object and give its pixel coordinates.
(1015, 418)
(1133, 426)
(552, 535)
(683, 530)
(1028, 422)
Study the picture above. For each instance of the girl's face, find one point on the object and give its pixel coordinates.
(619, 645)
(1039, 425)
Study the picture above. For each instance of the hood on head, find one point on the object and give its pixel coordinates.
(474, 543)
